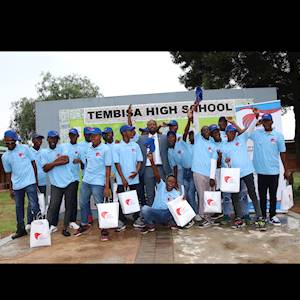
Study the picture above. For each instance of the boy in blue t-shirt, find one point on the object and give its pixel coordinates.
(159, 213)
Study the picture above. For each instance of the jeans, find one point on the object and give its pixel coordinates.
(33, 201)
(227, 203)
(141, 190)
(157, 216)
(55, 203)
(189, 188)
(42, 189)
(266, 182)
(86, 190)
(249, 181)
(121, 189)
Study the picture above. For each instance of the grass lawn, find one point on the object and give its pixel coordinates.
(8, 214)
(297, 187)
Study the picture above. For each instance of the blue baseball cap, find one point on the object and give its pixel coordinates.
(144, 129)
(95, 130)
(11, 134)
(86, 130)
(267, 117)
(36, 135)
(171, 133)
(74, 131)
(126, 128)
(230, 128)
(149, 143)
(172, 123)
(213, 127)
(107, 130)
(53, 133)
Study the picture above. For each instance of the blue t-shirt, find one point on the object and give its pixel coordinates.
(127, 155)
(172, 159)
(60, 176)
(203, 151)
(182, 154)
(223, 136)
(237, 151)
(97, 159)
(267, 148)
(162, 196)
(135, 138)
(73, 153)
(83, 147)
(18, 163)
(111, 147)
(38, 161)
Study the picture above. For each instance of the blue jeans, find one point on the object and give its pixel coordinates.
(227, 204)
(33, 201)
(189, 188)
(29, 214)
(86, 190)
(156, 216)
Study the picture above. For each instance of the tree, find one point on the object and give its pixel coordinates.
(245, 69)
(49, 88)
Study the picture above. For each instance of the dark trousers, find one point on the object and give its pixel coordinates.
(249, 181)
(74, 204)
(266, 182)
(141, 190)
(121, 189)
(55, 203)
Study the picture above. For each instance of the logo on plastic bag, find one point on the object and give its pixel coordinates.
(210, 201)
(106, 215)
(228, 179)
(180, 211)
(39, 236)
(129, 201)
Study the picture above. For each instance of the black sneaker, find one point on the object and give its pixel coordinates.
(104, 235)
(238, 223)
(203, 223)
(147, 229)
(82, 229)
(65, 232)
(217, 216)
(18, 234)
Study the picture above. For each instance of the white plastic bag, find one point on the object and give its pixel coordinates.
(108, 215)
(40, 233)
(212, 202)
(230, 180)
(42, 203)
(181, 211)
(129, 202)
(287, 199)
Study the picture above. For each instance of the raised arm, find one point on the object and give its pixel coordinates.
(154, 168)
(188, 124)
(130, 113)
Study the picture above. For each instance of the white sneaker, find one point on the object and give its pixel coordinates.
(27, 228)
(275, 221)
(53, 229)
(197, 218)
(74, 225)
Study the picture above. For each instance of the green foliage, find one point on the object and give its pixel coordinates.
(49, 88)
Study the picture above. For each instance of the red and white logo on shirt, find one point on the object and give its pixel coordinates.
(237, 144)
(209, 149)
(98, 154)
(133, 150)
(273, 140)
(21, 154)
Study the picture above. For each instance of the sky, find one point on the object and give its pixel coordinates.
(116, 73)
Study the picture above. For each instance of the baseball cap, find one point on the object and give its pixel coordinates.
(126, 128)
(172, 123)
(222, 119)
(36, 135)
(230, 128)
(213, 127)
(144, 129)
(74, 131)
(11, 134)
(171, 133)
(95, 130)
(149, 143)
(267, 117)
(107, 130)
(53, 133)
(86, 130)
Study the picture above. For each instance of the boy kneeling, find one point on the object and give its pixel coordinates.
(159, 212)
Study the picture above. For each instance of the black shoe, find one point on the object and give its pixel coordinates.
(217, 216)
(66, 232)
(19, 233)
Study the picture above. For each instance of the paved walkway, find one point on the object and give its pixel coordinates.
(194, 245)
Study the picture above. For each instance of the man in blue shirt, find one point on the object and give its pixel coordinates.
(235, 155)
(127, 157)
(57, 164)
(95, 180)
(19, 163)
(72, 149)
(268, 146)
(159, 212)
(83, 147)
